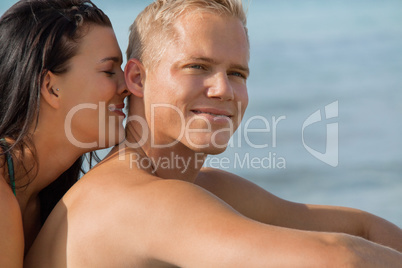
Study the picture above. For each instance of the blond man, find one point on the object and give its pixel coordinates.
(187, 70)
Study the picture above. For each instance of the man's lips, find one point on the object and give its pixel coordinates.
(213, 112)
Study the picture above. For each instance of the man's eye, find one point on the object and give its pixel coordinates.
(196, 66)
(238, 75)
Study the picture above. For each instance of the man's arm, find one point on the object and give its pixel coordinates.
(258, 204)
(184, 225)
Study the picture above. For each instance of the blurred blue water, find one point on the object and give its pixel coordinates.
(304, 56)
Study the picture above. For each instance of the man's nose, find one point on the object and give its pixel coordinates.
(221, 88)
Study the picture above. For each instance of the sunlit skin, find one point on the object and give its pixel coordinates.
(120, 215)
(95, 81)
(94, 76)
(203, 75)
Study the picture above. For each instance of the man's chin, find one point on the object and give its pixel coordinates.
(210, 150)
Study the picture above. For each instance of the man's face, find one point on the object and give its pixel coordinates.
(197, 94)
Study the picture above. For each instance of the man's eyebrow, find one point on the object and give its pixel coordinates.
(204, 59)
(243, 68)
(234, 66)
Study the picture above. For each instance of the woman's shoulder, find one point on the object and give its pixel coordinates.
(11, 229)
(9, 207)
(8, 203)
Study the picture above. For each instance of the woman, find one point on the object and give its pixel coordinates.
(62, 92)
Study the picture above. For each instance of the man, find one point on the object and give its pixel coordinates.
(148, 205)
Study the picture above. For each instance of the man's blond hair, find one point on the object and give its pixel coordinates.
(152, 30)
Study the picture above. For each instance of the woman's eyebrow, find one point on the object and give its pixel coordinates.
(114, 59)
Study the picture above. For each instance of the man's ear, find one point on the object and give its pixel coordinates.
(49, 92)
(134, 73)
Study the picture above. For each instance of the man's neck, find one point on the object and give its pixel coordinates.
(176, 163)
(173, 162)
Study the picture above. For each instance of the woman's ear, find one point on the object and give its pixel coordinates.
(134, 73)
(49, 92)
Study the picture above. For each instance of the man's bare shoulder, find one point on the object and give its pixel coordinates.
(115, 190)
(243, 195)
(212, 176)
(117, 180)
(131, 211)
(228, 185)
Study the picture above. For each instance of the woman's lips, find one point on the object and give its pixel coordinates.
(117, 108)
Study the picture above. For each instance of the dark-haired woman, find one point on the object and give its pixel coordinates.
(62, 93)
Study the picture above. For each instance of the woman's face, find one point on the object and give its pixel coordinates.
(92, 91)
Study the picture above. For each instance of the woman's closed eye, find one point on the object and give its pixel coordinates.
(109, 73)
